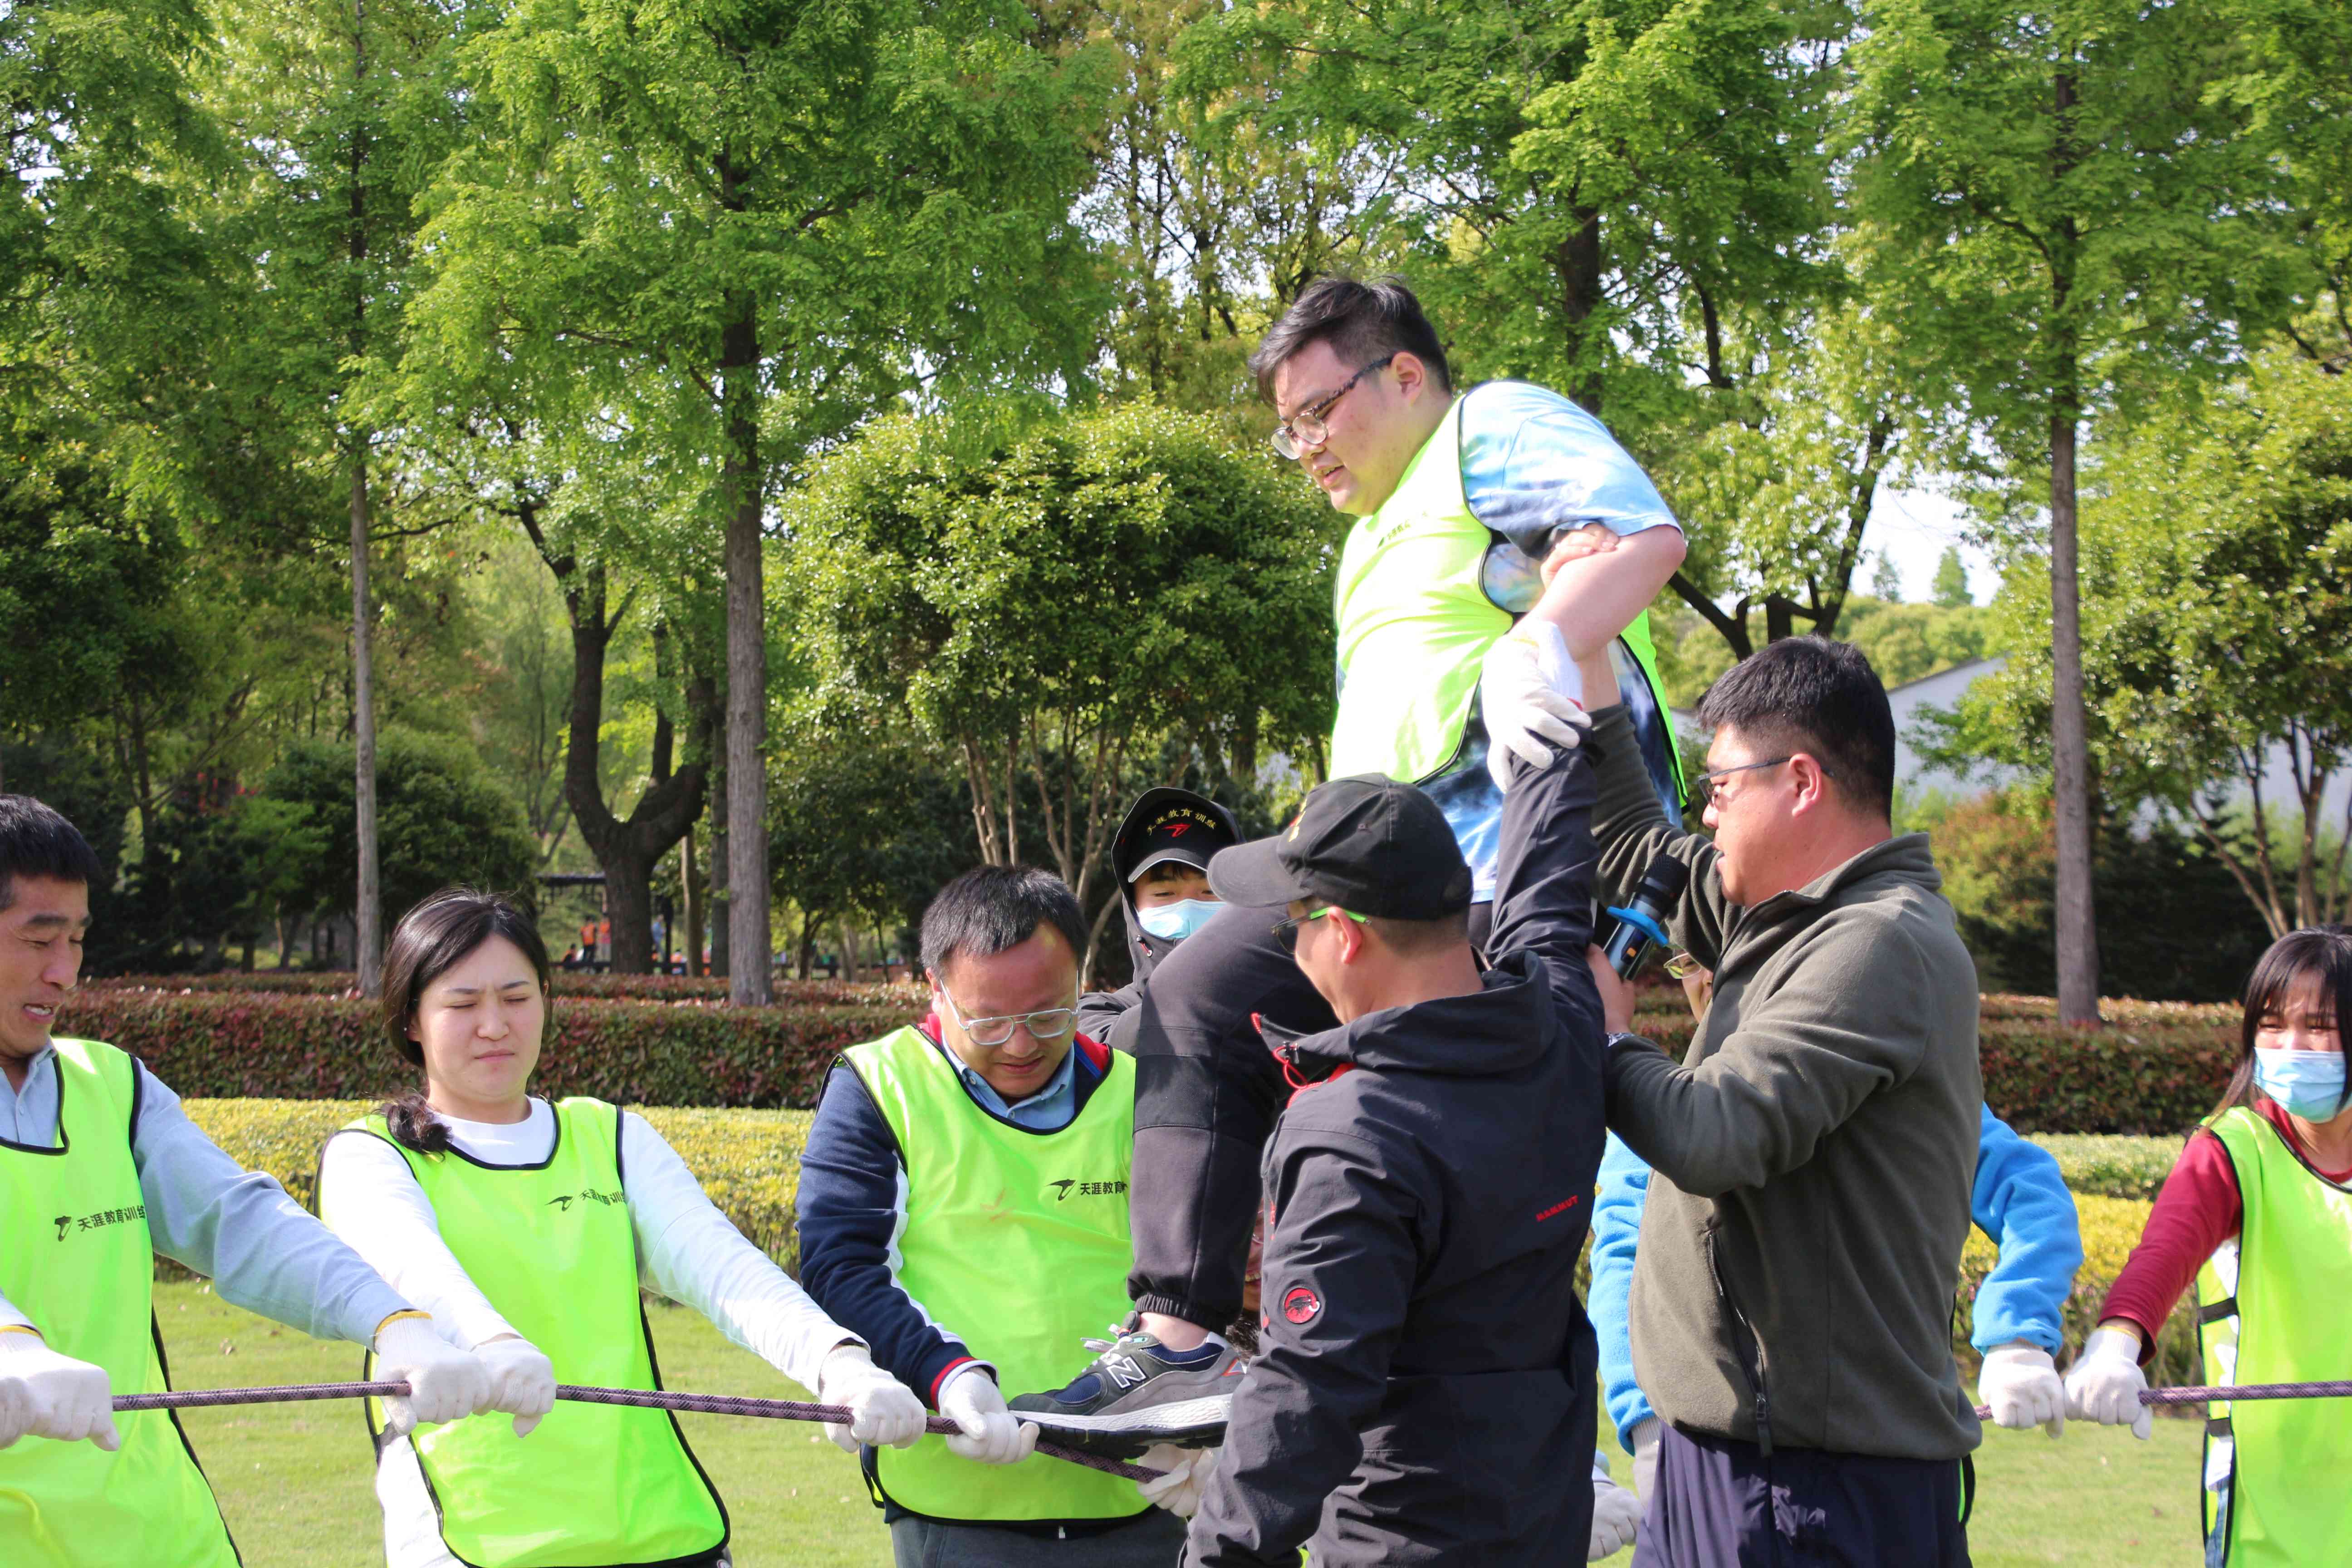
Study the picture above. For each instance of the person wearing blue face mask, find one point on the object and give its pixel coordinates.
(1162, 858)
(2258, 1211)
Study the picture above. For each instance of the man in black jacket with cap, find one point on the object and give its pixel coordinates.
(1424, 1388)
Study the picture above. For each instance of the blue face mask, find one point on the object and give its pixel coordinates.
(2309, 1083)
(1174, 923)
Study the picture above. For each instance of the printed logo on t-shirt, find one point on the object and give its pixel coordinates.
(1070, 1187)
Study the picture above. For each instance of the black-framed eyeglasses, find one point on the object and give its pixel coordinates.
(1286, 931)
(1046, 1023)
(1305, 429)
(1703, 790)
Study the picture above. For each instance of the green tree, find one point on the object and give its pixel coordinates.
(2059, 206)
(444, 821)
(2217, 630)
(751, 224)
(1886, 582)
(1951, 589)
(1049, 609)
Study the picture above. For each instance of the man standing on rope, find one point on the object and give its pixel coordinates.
(99, 1170)
(1462, 498)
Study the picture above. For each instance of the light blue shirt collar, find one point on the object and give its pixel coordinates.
(1047, 1110)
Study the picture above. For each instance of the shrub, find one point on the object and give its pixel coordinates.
(240, 1044)
(748, 1161)
(568, 982)
(2113, 1167)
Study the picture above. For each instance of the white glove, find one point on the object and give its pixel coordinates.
(522, 1380)
(45, 1395)
(2105, 1382)
(991, 1435)
(882, 1410)
(445, 1384)
(2021, 1383)
(1188, 1470)
(1616, 1515)
(1645, 1457)
(1532, 699)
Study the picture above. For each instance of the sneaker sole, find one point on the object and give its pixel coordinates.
(1187, 1423)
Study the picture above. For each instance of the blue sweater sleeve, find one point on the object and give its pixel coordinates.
(1616, 1228)
(853, 1204)
(2022, 1201)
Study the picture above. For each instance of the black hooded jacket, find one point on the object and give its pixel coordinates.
(1424, 1388)
(1110, 1017)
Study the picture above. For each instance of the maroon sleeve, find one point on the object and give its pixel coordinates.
(2197, 1210)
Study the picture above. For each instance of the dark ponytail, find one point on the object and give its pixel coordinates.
(430, 939)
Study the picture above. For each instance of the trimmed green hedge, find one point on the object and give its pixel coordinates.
(2111, 1166)
(246, 1044)
(749, 1162)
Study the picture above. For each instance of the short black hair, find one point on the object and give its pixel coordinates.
(1362, 321)
(35, 840)
(1818, 696)
(991, 908)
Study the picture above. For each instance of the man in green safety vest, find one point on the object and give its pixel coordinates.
(1474, 509)
(100, 1171)
(963, 1210)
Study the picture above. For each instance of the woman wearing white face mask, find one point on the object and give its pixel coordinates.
(2258, 1210)
(528, 1226)
(1162, 858)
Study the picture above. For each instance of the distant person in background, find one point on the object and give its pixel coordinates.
(529, 1227)
(101, 1173)
(2258, 1211)
(1160, 857)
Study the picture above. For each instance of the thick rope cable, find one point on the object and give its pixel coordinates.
(2202, 1394)
(698, 1404)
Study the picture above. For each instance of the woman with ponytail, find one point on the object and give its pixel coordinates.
(2258, 1211)
(526, 1228)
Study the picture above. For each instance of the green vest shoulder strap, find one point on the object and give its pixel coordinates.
(76, 1259)
(553, 1248)
(1018, 1232)
(2256, 1324)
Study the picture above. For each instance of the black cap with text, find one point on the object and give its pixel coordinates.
(1367, 844)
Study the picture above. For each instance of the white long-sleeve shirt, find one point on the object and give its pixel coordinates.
(687, 1250)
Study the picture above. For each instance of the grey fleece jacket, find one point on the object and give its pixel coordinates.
(1814, 1149)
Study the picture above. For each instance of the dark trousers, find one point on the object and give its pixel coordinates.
(1206, 1093)
(1717, 1503)
(1153, 1539)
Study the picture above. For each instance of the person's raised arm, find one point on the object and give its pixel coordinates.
(2022, 1201)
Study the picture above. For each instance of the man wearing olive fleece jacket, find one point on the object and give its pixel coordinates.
(1815, 1149)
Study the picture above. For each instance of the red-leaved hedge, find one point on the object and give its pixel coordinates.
(249, 1045)
(568, 982)
(2155, 1069)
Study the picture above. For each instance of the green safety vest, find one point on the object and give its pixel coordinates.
(75, 1258)
(2269, 1311)
(1016, 1242)
(1415, 617)
(552, 1248)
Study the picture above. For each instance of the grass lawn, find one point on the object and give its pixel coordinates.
(296, 1482)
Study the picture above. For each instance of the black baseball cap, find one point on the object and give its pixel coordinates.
(1367, 844)
(1169, 824)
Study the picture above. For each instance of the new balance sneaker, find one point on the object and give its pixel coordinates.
(1136, 1393)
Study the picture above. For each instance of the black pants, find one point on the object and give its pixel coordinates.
(1719, 1503)
(1206, 1093)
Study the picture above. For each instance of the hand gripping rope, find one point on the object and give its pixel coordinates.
(700, 1404)
(2201, 1394)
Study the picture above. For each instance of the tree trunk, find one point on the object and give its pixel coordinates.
(2078, 946)
(688, 880)
(367, 911)
(748, 982)
(629, 849)
(2070, 743)
(720, 939)
(1577, 265)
